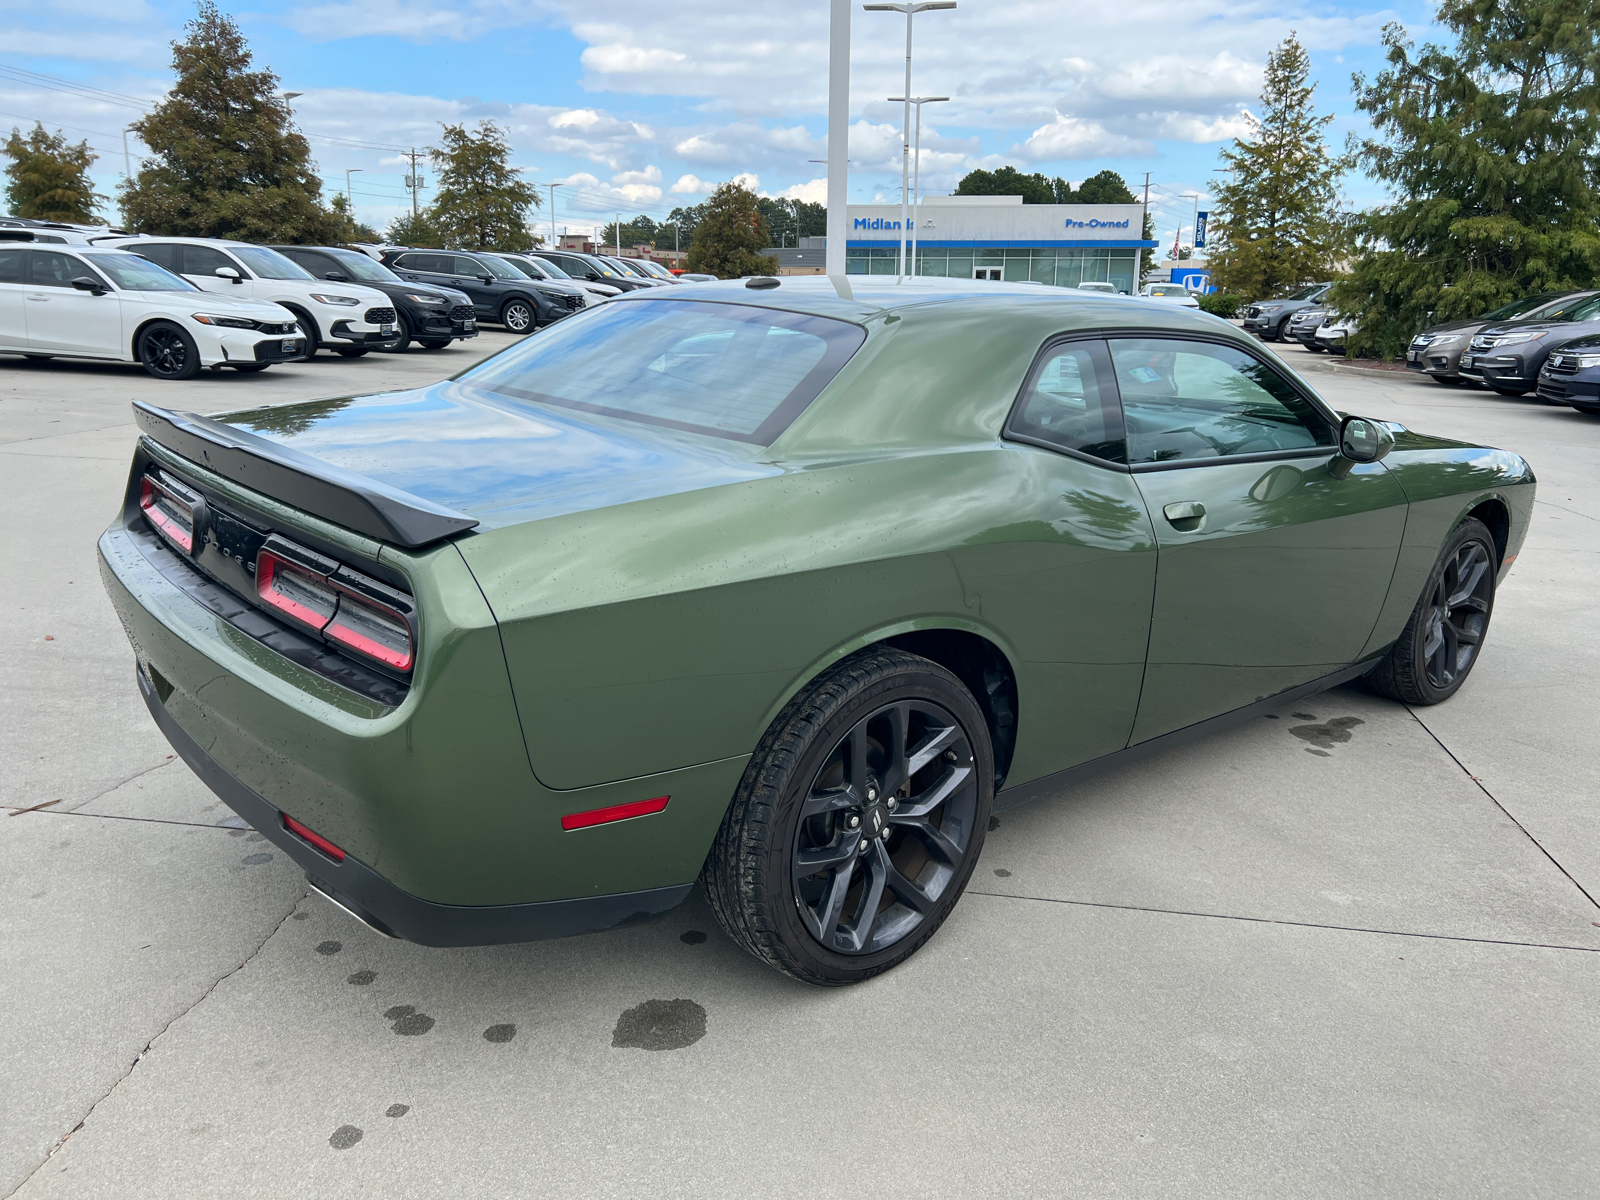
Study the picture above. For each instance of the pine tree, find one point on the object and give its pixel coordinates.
(226, 161)
(1489, 151)
(1277, 222)
(349, 228)
(482, 202)
(730, 235)
(408, 230)
(49, 177)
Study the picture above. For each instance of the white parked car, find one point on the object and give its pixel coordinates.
(1172, 293)
(345, 317)
(94, 302)
(1109, 288)
(1334, 332)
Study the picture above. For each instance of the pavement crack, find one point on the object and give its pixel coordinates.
(1495, 801)
(107, 791)
(139, 1057)
(1563, 508)
(1182, 912)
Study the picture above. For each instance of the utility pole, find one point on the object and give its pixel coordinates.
(1144, 223)
(414, 182)
(553, 188)
(618, 228)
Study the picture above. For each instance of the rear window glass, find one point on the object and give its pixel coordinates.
(729, 370)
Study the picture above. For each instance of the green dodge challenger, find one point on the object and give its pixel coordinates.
(780, 591)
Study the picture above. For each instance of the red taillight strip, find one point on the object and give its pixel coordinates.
(316, 839)
(617, 812)
(149, 492)
(267, 565)
(345, 636)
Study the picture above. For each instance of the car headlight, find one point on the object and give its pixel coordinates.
(342, 301)
(424, 298)
(1514, 339)
(230, 322)
(1584, 361)
(1448, 339)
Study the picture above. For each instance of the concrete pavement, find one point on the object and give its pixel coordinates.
(1279, 962)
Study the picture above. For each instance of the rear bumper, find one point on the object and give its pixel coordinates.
(390, 910)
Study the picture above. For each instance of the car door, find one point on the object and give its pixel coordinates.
(427, 267)
(60, 317)
(200, 267)
(1275, 553)
(1072, 578)
(13, 286)
(468, 276)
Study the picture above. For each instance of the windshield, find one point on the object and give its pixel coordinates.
(728, 370)
(1314, 292)
(1581, 308)
(602, 266)
(524, 267)
(269, 264)
(549, 268)
(134, 274)
(358, 266)
(497, 267)
(1168, 289)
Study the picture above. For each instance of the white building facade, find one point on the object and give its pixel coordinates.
(1000, 237)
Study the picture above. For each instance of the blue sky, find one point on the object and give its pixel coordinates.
(636, 107)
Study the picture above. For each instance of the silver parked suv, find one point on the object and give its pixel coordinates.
(1267, 319)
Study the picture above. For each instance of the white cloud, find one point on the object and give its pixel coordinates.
(813, 191)
(622, 60)
(690, 185)
(108, 47)
(747, 180)
(1070, 138)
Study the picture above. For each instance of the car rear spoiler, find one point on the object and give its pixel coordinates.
(301, 480)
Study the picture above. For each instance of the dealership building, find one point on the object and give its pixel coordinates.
(998, 237)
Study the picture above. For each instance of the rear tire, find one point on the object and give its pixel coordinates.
(518, 316)
(858, 821)
(434, 343)
(1444, 636)
(1512, 392)
(168, 352)
(1448, 380)
(1313, 347)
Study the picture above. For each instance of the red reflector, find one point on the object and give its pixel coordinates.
(617, 812)
(316, 839)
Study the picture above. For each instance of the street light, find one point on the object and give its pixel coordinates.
(916, 170)
(910, 11)
(348, 198)
(553, 187)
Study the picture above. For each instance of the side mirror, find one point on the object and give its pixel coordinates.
(93, 286)
(1364, 441)
(487, 278)
(337, 277)
(228, 273)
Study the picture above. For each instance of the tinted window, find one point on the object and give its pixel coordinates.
(490, 265)
(163, 254)
(1069, 403)
(1581, 310)
(721, 369)
(437, 264)
(523, 267)
(134, 274)
(358, 266)
(1518, 307)
(1184, 399)
(203, 260)
(10, 266)
(269, 264)
(310, 260)
(549, 268)
(54, 269)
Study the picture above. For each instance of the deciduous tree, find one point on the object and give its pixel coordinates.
(225, 160)
(730, 235)
(48, 177)
(1276, 222)
(483, 203)
(1488, 149)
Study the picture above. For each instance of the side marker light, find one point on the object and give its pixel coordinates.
(616, 812)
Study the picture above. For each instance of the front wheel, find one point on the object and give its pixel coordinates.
(518, 316)
(353, 351)
(1439, 645)
(1313, 347)
(1509, 391)
(168, 352)
(434, 343)
(858, 821)
(1447, 380)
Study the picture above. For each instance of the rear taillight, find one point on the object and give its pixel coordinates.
(307, 834)
(352, 611)
(171, 508)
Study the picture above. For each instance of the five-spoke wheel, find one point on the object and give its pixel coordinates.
(167, 352)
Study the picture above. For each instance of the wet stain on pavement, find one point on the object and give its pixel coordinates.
(1304, 716)
(1327, 735)
(994, 823)
(499, 1033)
(344, 1137)
(1273, 717)
(301, 916)
(397, 1110)
(329, 947)
(362, 978)
(1002, 872)
(255, 860)
(660, 1025)
(408, 1022)
(691, 937)
(256, 837)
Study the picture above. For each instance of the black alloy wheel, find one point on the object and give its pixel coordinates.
(518, 316)
(353, 351)
(167, 352)
(433, 343)
(1443, 637)
(858, 821)
(403, 342)
(308, 329)
(1513, 392)
(1448, 380)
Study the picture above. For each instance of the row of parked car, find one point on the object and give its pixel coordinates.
(1547, 343)
(81, 292)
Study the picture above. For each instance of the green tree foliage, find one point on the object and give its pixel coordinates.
(408, 230)
(225, 161)
(482, 203)
(730, 234)
(48, 177)
(350, 229)
(640, 229)
(1107, 187)
(791, 220)
(1489, 150)
(1276, 222)
(1008, 181)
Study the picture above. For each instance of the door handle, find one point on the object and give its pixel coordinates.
(1186, 516)
(40, 299)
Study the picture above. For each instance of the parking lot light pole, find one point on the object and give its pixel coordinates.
(916, 170)
(838, 145)
(910, 11)
(348, 198)
(553, 187)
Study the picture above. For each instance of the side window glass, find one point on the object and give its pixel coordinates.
(52, 269)
(163, 255)
(466, 266)
(203, 260)
(1068, 402)
(435, 264)
(10, 266)
(1184, 399)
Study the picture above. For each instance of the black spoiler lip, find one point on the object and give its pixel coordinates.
(302, 480)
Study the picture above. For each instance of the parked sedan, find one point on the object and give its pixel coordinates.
(71, 301)
(1437, 351)
(1508, 356)
(1571, 376)
(1267, 318)
(498, 291)
(693, 586)
(633, 269)
(433, 317)
(1172, 293)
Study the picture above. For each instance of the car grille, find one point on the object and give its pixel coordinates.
(379, 316)
(461, 312)
(280, 328)
(573, 302)
(1482, 342)
(1562, 364)
(1551, 389)
(1252, 311)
